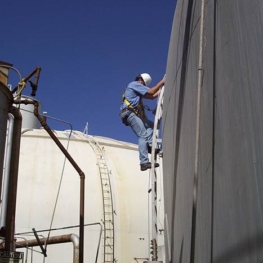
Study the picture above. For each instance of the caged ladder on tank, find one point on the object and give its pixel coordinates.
(108, 211)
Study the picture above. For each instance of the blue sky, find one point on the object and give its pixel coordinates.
(88, 52)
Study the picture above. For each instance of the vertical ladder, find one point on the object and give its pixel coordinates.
(108, 217)
(156, 143)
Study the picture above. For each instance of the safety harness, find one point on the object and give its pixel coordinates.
(138, 110)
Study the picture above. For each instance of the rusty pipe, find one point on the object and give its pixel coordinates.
(12, 187)
(54, 240)
(35, 71)
(91, 224)
(74, 164)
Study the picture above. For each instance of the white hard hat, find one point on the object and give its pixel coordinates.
(146, 78)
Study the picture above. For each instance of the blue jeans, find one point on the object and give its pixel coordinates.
(143, 128)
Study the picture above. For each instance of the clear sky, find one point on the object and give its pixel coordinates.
(88, 52)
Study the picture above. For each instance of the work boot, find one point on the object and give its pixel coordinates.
(145, 166)
(157, 150)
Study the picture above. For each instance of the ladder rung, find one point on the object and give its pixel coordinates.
(108, 245)
(108, 225)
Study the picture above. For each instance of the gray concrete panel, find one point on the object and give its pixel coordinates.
(238, 133)
(229, 198)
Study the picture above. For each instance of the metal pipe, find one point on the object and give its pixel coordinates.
(6, 170)
(62, 228)
(12, 188)
(25, 240)
(54, 240)
(74, 164)
(35, 71)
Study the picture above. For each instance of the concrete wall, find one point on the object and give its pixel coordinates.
(230, 185)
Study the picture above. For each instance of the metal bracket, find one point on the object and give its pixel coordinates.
(39, 243)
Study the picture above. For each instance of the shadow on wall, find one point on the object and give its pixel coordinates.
(187, 35)
(244, 249)
(181, 251)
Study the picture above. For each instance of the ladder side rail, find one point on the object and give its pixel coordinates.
(157, 119)
(153, 175)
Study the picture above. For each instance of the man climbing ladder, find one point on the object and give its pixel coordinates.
(133, 115)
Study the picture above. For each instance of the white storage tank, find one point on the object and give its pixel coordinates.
(119, 204)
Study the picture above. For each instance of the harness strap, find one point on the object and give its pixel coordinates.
(137, 110)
